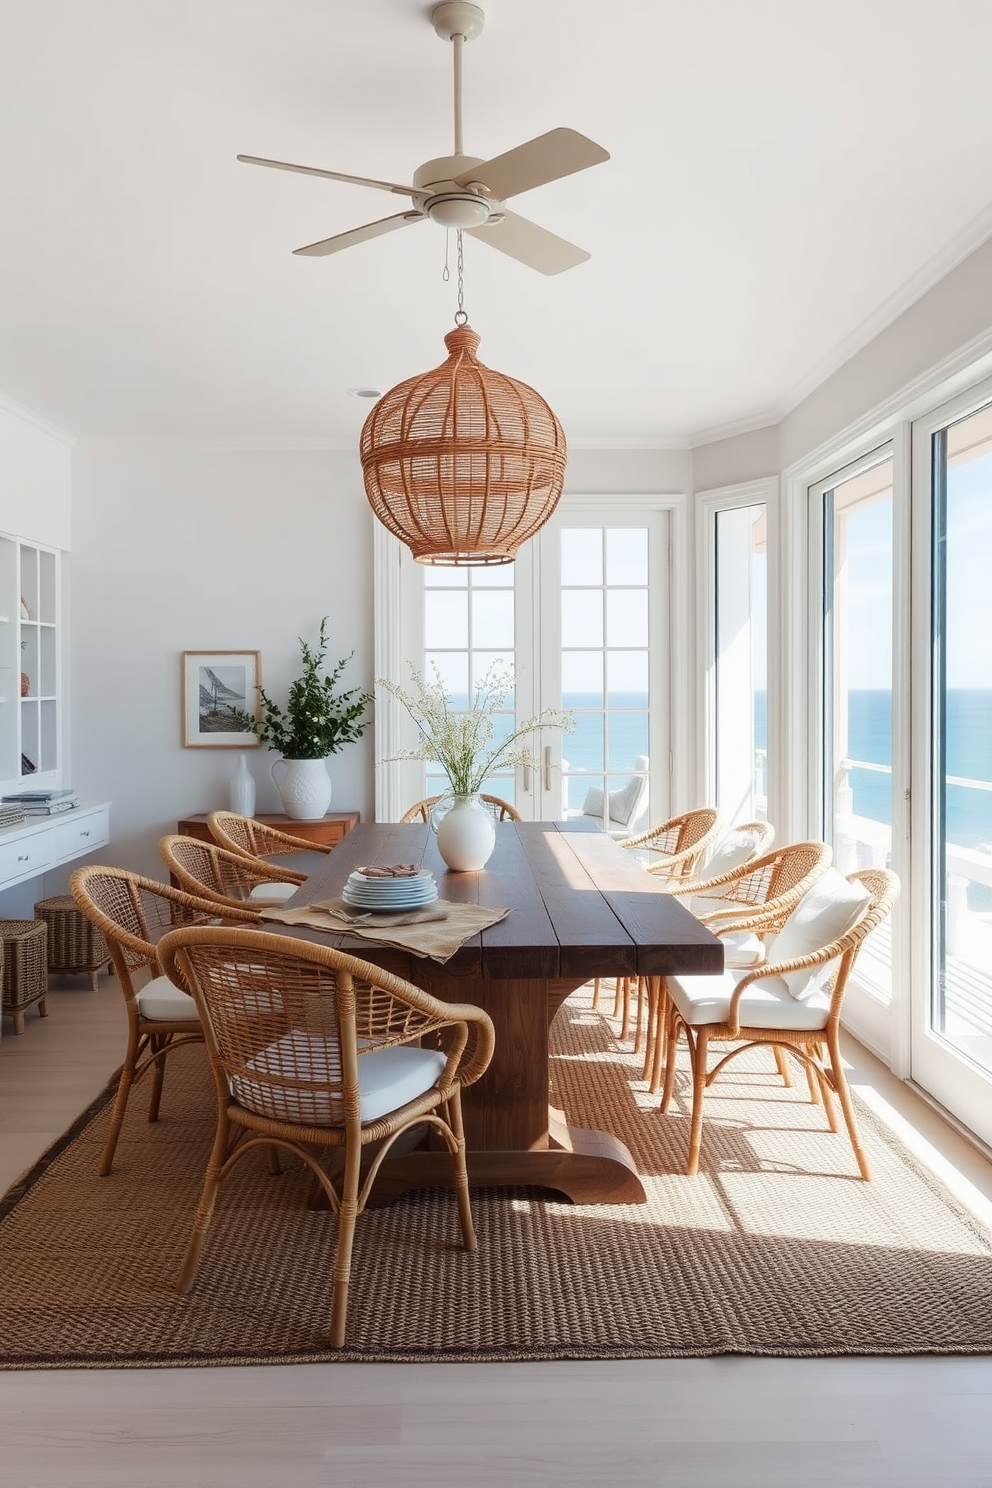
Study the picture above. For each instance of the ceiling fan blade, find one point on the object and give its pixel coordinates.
(313, 170)
(358, 235)
(560, 152)
(534, 246)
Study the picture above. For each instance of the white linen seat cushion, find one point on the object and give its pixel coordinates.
(827, 911)
(742, 948)
(163, 1002)
(766, 1003)
(272, 893)
(387, 1079)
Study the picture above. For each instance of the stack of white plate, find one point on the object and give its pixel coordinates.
(409, 892)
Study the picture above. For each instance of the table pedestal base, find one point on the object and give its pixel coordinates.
(588, 1167)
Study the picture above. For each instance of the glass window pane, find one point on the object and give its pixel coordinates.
(499, 576)
(453, 669)
(858, 682)
(582, 555)
(492, 618)
(445, 619)
(437, 577)
(582, 617)
(627, 555)
(484, 662)
(627, 679)
(584, 749)
(626, 617)
(961, 1008)
(628, 739)
(582, 679)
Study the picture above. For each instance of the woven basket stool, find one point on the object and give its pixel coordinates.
(25, 969)
(74, 945)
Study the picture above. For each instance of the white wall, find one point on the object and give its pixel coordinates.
(34, 477)
(191, 547)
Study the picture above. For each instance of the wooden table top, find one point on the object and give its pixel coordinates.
(581, 905)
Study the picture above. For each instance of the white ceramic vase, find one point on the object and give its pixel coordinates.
(242, 791)
(305, 788)
(466, 833)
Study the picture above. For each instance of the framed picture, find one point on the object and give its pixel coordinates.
(214, 683)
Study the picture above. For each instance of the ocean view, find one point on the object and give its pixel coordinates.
(968, 750)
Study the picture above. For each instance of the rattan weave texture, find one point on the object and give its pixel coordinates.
(463, 464)
(74, 945)
(25, 968)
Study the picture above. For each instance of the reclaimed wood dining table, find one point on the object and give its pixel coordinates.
(581, 907)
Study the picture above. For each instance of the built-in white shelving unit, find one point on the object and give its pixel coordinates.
(30, 721)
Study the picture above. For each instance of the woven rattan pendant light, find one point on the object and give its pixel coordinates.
(463, 464)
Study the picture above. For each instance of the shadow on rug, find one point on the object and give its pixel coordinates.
(776, 1247)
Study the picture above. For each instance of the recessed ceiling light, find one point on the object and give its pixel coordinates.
(364, 392)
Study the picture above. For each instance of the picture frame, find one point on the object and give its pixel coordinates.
(213, 682)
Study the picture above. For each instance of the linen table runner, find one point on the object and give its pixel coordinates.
(435, 932)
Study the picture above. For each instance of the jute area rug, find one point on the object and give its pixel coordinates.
(775, 1248)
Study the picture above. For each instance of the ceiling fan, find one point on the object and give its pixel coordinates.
(462, 191)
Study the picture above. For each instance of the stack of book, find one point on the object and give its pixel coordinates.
(11, 815)
(43, 802)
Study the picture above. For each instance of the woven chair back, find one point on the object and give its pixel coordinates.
(776, 881)
(253, 839)
(210, 872)
(421, 810)
(286, 1021)
(134, 913)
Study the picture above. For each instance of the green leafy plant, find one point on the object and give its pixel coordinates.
(318, 720)
(464, 741)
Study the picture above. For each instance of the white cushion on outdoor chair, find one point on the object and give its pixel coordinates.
(164, 1002)
(272, 893)
(766, 1003)
(387, 1079)
(825, 912)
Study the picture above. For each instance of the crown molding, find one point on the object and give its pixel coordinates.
(718, 432)
(28, 416)
(964, 243)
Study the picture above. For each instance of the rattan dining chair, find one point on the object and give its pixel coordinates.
(744, 907)
(254, 839)
(228, 878)
(792, 1003)
(133, 913)
(739, 844)
(679, 844)
(421, 810)
(322, 1054)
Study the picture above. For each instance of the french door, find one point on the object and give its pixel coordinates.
(951, 1034)
(583, 618)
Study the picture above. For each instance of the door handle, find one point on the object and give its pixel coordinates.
(526, 776)
(547, 767)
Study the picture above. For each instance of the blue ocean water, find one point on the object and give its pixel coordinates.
(968, 750)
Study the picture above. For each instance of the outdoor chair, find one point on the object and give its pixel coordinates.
(792, 1003)
(321, 1054)
(133, 913)
(421, 810)
(228, 878)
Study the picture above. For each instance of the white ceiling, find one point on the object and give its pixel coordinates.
(786, 175)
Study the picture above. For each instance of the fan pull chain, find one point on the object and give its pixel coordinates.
(461, 317)
(446, 272)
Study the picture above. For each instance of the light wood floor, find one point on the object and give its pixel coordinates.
(916, 1423)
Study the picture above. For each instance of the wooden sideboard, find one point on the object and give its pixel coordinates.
(326, 829)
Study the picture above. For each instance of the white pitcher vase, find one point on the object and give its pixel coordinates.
(305, 788)
(466, 833)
